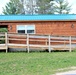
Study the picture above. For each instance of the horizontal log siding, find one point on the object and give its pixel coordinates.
(49, 27)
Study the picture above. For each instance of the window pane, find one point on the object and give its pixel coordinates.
(21, 31)
(30, 31)
(30, 27)
(21, 27)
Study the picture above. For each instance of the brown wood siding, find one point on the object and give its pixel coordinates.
(49, 27)
(65, 28)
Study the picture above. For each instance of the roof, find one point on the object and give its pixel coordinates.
(37, 17)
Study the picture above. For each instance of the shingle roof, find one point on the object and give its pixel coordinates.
(37, 17)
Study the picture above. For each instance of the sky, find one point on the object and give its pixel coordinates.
(2, 4)
(71, 2)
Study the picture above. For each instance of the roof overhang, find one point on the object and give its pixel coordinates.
(35, 20)
(31, 18)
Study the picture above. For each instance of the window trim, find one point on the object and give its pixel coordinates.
(26, 28)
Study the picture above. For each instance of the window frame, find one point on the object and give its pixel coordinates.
(20, 29)
(25, 26)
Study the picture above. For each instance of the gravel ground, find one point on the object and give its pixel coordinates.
(73, 72)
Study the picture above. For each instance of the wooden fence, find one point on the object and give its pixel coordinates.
(50, 42)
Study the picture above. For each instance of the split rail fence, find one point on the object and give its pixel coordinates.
(50, 42)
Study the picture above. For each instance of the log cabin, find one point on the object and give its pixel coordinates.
(60, 25)
(40, 24)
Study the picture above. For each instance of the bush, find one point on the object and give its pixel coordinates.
(2, 30)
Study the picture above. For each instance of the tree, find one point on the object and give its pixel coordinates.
(30, 6)
(62, 7)
(45, 7)
(13, 7)
(37, 7)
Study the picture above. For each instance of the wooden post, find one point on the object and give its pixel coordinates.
(28, 42)
(6, 43)
(70, 43)
(49, 44)
(64, 44)
(46, 42)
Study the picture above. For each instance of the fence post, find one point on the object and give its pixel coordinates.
(49, 44)
(28, 42)
(6, 43)
(46, 42)
(70, 44)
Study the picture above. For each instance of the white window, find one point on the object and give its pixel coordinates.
(27, 29)
(21, 29)
(30, 29)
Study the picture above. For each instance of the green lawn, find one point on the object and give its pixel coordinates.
(35, 63)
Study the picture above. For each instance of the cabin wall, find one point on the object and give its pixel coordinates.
(63, 28)
(48, 27)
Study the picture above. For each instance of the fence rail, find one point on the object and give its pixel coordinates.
(29, 41)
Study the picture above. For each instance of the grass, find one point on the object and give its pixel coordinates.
(35, 63)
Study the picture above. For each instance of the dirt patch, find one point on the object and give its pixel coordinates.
(72, 71)
(67, 73)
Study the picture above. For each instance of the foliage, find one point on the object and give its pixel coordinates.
(30, 6)
(35, 63)
(13, 7)
(37, 7)
(3, 29)
(45, 7)
(62, 7)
